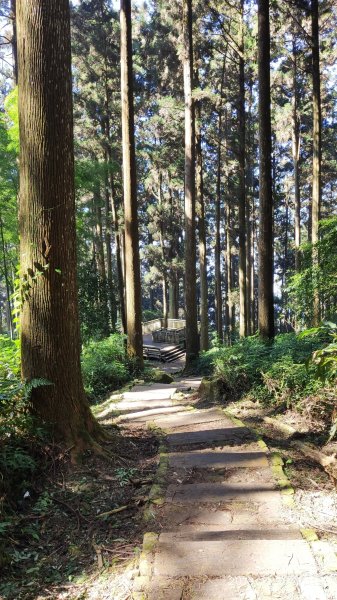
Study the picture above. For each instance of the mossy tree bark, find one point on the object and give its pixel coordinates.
(50, 338)
(132, 264)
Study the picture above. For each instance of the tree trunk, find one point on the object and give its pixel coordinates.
(132, 264)
(217, 249)
(119, 244)
(229, 272)
(296, 158)
(50, 337)
(266, 298)
(108, 251)
(202, 234)
(242, 182)
(317, 152)
(192, 338)
(14, 42)
(6, 275)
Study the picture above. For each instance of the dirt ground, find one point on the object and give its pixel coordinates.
(78, 531)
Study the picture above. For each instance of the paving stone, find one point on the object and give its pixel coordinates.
(204, 459)
(210, 436)
(199, 493)
(176, 558)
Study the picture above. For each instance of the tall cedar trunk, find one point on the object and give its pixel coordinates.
(108, 251)
(242, 184)
(50, 337)
(266, 299)
(119, 243)
(6, 274)
(217, 249)
(296, 160)
(192, 338)
(173, 276)
(14, 42)
(202, 234)
(132, 265)
(250, 219)
(317, 151)
(163, 256)
(228, 255)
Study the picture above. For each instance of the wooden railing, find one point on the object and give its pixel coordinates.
(155, 324)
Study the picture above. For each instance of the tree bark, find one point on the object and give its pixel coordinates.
(50, 337)
(217, 249)
(202, 234)
(266, 298)
(192, 338)
(108, 250)
(296, 159)
(132, 264)
(242, 184)
(317, 152)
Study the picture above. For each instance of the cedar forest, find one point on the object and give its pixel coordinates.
(160, 161)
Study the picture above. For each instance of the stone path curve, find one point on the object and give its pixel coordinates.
(226, 529)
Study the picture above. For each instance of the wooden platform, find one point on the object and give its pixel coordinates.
(161, 351)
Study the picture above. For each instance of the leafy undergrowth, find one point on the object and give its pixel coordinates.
(280, 375)
(73, 532)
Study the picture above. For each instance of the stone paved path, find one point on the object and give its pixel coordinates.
(226, 530)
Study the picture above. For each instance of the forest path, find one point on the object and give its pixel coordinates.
(224, 527)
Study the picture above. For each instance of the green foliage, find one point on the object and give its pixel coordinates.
(105, 366)
(276, 371)
(323, 277)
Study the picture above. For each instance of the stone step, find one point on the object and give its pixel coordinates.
(174, 558)
(189, 418)
(210, 436)
(198, 533)
(305, 587)
(146, 414)
(137, 405)
(214, 493)
(150, 394)
(218, 459)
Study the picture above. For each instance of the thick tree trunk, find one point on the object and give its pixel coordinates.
(132, 264)
(242, 184)
(296, 159)
(266, 298)
(317, 151)
(50, 338)
(202, 235)
(192, 338)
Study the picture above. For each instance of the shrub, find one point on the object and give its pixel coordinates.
(276, 371)
(105, 366)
